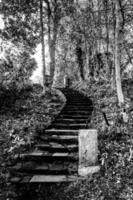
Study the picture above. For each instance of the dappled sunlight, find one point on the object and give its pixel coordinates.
(37, 74)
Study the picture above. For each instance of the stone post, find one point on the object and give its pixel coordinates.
(88, 151)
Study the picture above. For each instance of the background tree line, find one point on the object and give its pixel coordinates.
(87, 40)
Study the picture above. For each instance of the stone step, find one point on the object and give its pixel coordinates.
(77, 108)
(56, 147)
(87, 103)
(54, 142)
(78, 101)
(75, 111)
(61, 138)
(52, 178)
(59, 168)
(41, 156)
(81, 104)
(61, 132)
(82, 114)
(70, 126)
(44, 179)
(68, 121)
(74, 96)
(45, 168)
(73, 116)
(71, 96)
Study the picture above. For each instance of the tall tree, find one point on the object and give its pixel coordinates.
(117, 53)
(79, 53)
(42, 42)
(53, 15)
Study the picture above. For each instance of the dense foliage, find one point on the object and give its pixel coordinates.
(16, 65)
(22, 120)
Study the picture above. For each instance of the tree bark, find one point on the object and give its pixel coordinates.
(79, 54)
(107, 37)
(117, 55)
(107, 25)
(53, 49)
(52, 35)
(43, 43)
(87, 69)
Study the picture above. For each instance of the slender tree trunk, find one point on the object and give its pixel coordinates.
(53, 49)
(107, 37)
(107, 25)
(87, 70)
(99, 27)
(113, 79)
(49, 31)
(52, 35)
(51, 42)
(42, 42)
(117, 55)
(79, 54)
(86, 64)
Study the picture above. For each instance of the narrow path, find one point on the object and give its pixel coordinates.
(55, 159)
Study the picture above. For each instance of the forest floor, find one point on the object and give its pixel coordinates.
(114, 180)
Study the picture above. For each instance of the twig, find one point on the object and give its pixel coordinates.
(106, 120)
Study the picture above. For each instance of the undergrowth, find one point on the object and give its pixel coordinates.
(24, 115)
(115, 157)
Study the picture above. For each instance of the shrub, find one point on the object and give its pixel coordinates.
(16, 65)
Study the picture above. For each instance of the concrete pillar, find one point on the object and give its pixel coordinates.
(88, 151)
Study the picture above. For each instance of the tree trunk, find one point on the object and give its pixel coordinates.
(107, 36)
(79, 54)
(43, 44)
(117, 55)
(99, 27)
(49, 30)
(52, 35)
(107, 25)
(53, 49)
(87, 70)
(86, 65)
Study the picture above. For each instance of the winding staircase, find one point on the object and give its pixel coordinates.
(55, 158)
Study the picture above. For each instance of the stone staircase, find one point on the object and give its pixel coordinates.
(55, 157)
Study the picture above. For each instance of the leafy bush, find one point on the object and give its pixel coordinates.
(114, 181)
(16, 65)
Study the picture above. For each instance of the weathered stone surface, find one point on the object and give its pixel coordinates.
(84, 171)
(52, 178)
(65, 137)
(88, 148)
(60, 154)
